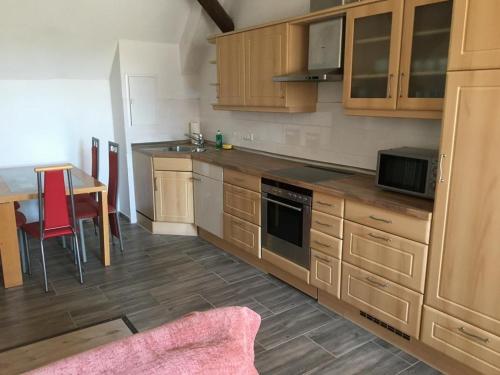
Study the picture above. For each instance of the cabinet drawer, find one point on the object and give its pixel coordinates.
(395, 258)
(385, 300)
(328, 204)
(466, 343)
(286, 265)
(173, 164)
(242, 203)
(325, 273)
(326, 244)
(242, 234)
(242, 180)
(327, 224)
(389, 221)
(209, 170)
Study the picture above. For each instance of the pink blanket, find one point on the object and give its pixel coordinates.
(219, 341)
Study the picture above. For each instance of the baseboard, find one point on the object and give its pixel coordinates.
(155, 227)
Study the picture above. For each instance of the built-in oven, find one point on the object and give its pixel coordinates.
(286, 221)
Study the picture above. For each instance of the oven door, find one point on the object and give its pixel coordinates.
(285, 228)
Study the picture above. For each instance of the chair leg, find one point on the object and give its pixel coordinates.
(63, 240)
(78, 258)
(82, 241)
(44, 267)
(27, 247)
(119, 231)
(22, 251)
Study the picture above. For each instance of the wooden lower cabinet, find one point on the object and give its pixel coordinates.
(242, 203)
(464, 342)
(328, 224)
(391, 303)
(325, 273)
(243, 180)
(174, 197)
(244, 235)
(395, 258)
(328, 204)
(326, 244)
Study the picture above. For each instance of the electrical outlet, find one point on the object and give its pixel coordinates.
(248, 137)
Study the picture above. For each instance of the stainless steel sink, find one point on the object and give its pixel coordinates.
(184, 149)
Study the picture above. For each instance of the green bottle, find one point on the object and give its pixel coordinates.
(218, 140)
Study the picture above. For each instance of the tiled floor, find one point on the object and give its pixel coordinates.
(160, 278)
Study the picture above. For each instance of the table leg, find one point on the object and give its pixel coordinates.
(9, 247)
(104, 228)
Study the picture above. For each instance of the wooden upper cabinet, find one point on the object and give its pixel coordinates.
(475, 41)
(231, 70)
(266, 56)
(424, 54)
(248, 61)
(373, 42)
(463, 278)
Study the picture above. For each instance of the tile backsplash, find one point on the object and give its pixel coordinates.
(327, 135)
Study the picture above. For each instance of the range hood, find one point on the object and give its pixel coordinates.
(326, 52)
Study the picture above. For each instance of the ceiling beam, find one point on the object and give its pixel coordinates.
(218, 15)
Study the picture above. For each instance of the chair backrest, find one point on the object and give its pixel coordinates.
(113, 149)
(95, 158)
(53, 207)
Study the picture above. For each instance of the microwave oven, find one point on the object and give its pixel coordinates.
(408, 170)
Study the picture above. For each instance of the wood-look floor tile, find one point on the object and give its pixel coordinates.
(293, 357)
(281, 299)
(367, 359)
(340, 336)
(395, 350)
(292, 323)
(420, 368)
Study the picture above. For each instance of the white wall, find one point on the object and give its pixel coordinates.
(326, 135)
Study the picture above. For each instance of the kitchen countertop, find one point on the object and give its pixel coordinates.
(358, 187)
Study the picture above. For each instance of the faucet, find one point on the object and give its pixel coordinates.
(198, 139)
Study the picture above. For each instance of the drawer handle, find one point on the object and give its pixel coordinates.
(323, 259)
(196, 179)
(321, 243)
(379, 219)
(463, 331)
(325, 204)
(323, 224)
(375, 282)
(380, 237)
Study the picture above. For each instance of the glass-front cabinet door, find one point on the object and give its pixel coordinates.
(373, 40)
(424, 54)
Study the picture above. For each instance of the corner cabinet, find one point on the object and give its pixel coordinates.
(248, 61)
(174, 197)
(464, 279)
(396, 58)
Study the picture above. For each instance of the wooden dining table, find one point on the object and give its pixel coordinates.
(20, 184)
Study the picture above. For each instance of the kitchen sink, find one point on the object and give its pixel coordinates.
(183, 149)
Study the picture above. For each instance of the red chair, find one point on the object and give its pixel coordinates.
(92, 197)
(56, 219)
(90, 210)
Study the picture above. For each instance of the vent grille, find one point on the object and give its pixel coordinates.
(384, 325)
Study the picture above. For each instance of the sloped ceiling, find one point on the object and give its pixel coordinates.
(76, 39)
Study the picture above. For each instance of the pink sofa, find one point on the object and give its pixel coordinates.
(219, 341)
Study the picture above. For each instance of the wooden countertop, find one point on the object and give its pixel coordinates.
(358, 187)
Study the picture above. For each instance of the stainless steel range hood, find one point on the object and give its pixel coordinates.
(326, 54)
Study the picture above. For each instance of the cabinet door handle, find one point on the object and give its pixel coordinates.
(325, 204)
(321, 244)
(389, 89)
(380, 237)
(323, 224)
(463, 331)
(155, 184)
(401, 85)
(379, 219)
(196, 179)
(323, 259)
(375, 282)
(282, 90)
(441, 161)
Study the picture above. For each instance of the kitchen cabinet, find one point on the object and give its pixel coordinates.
(475, 41)
(231, 70)
(208, 196)
(325, 273)
(248, 61)
(242, 234)
(464, 278)
(242, 203)
(174, 197)
(394, 69)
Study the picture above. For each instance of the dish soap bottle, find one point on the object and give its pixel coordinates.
(218, 140)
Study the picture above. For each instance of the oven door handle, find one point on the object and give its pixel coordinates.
(282, 204)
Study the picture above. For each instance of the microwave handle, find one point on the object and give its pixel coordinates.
(282, 204)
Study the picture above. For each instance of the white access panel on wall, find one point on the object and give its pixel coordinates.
(143, 96)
